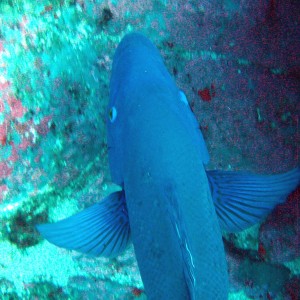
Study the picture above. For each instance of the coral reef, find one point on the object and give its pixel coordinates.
(238, 64)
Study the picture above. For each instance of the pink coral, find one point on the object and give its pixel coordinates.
(16, 107)
(5, 170)
(3, 191)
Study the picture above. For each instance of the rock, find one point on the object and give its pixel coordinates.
(279, 235)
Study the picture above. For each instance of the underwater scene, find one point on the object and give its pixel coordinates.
(165, 135)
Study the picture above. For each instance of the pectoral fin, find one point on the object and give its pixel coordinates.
(243, 199)
(102, 229)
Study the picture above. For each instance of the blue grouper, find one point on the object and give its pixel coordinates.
(169, 206)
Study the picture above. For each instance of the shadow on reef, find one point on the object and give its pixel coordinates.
(260, 272)
(19, 228)
(7, 290)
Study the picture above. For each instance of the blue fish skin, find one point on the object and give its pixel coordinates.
(169, 206)
(156, 141)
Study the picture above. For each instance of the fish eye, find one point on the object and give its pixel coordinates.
(183, 97)
(112, 114)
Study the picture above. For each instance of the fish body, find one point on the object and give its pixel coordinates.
(170, 207)
(163, 171)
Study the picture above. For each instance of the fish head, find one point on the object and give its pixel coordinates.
(134, 55)
(141, 92)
